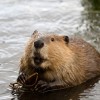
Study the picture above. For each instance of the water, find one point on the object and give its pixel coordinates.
(18, 20)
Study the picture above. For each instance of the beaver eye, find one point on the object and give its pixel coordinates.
(66, 39)
(52, 39)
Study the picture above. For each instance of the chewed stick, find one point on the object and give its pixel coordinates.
(24, 82)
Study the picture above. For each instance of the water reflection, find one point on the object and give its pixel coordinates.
(90, 21)
(67, 94)
(91, 15)
(93, 5)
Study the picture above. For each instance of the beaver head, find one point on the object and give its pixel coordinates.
(49, 55)
(48, 51)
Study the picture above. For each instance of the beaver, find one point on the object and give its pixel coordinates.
(59, 60)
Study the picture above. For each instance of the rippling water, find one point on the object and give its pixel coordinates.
(18, 20)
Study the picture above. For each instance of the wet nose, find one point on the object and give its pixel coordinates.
(38, 44)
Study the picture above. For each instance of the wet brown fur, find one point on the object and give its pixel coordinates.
(68, 64)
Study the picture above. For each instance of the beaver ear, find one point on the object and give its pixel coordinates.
(35, 32)
(66, 39)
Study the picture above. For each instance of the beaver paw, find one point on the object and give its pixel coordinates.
(42, 87)
(22, 78)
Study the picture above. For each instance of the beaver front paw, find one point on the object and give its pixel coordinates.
(42, 87)
(24, 83)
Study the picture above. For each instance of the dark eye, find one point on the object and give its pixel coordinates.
(66, 39)
(52, 39)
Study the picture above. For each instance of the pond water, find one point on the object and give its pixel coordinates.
(18, 20)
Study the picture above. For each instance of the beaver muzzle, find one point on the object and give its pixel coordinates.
(38, 60)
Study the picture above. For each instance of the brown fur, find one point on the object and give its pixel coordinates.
(67, 63)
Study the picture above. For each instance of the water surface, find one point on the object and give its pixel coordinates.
(18, 20)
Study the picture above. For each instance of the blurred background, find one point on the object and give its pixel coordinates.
(18, 20)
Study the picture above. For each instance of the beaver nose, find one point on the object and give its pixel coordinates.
(38, 44)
